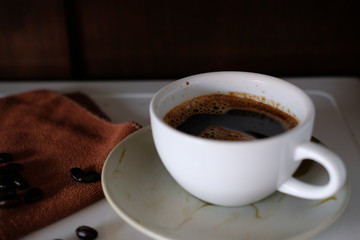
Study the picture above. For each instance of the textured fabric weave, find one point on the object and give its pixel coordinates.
(49, 133)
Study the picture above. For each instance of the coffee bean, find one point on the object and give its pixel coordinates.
(8, 199)
(86, 233)
(33, 195)
(7, 183)
(81, 176)
(19, 181)
(76, 173)
(9, 203)
(10, 180)
(90, 177)
(5, 157)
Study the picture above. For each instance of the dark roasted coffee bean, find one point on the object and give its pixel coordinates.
(33, 195)
(86, 233)
(90, 177)
(5, 157)
(9, 202)
(8, 199)
(19, 181)
(7, 183)
(84, 177)
(76, 173)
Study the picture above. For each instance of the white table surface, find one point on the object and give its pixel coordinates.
(337, 125)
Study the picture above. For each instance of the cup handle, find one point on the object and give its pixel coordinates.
(329, 160)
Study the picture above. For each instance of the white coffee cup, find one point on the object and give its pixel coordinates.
(235, 173)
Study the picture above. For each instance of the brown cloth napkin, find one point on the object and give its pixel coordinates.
(48, 133)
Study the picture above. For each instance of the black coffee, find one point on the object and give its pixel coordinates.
(229, 117)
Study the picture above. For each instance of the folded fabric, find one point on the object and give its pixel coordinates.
(49, 134)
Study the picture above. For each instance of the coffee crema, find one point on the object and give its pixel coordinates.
(229, 117)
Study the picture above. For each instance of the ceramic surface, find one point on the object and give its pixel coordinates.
(141, 191)
(237, 173)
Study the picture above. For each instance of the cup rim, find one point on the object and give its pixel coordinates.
(308, 119)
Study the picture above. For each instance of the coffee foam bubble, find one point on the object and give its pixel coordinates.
(208, 104)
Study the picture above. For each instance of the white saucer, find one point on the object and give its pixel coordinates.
(141, 191)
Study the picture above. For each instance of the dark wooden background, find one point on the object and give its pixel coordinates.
(132, 39)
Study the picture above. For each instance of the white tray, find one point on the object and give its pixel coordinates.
(337, 102)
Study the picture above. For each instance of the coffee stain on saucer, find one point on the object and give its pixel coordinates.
(282, 196)
(122, 156)
(257, 211)
(189, 218)
(120, 160)
(183, 222)
(324, 201)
